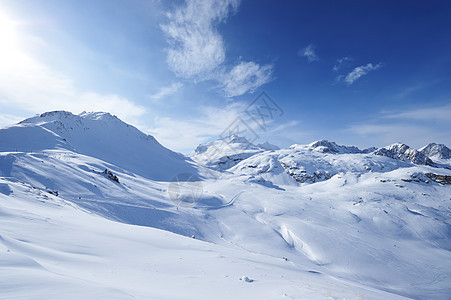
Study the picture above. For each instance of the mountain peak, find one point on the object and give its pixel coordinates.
(56, 115)
(268, 146)
(97, 134)
(95, 114)
(434, 150)
(99, 115)
(403, 152)
(228, 144)
(62, 115)
(236, 139)
(325, 146)
(226, 152)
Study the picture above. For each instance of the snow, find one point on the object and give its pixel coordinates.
(225, 153)
(268, 146)
(246, 279)
(326, 146)
(436, 151)
(297, 223)
(52, 249)
(404, 153)
(98, 135)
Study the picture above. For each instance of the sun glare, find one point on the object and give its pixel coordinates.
(7, 31)
(9, 49)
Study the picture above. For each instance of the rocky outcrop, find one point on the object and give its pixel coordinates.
(301, 175)
(442, 179)
(227, 152)
(325, 146)
(404, 153)
(434, 150)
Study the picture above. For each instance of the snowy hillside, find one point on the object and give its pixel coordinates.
(50, 249)
(99, 135)
(436, 151)
(404, 153)
(88, 210)
(225, 153)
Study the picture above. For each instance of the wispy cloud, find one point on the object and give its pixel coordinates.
(416, 88)
(197, 52)
(341, 63)
(432, 114)
(7, 119)
(196, 47)
(245, 77)
(167, 91)
(185, 135)
(358, 72)
(284, 126)
(309, 53)
(386, 134)
(211, 123)
(415, 127)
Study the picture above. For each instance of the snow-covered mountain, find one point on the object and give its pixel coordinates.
(435, 151)
(98, 135)
(87, 209)
(225, 153)
(307, 165)
(268, 146)
(325, 146)
(404, 153)
(317, 161)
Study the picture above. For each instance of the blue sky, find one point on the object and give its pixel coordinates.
(356, 72)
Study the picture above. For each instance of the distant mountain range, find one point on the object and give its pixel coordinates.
(316, 220)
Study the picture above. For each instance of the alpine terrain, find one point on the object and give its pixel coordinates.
(92, 208)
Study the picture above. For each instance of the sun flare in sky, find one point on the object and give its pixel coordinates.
(9, 50)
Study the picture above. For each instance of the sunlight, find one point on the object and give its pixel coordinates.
(7, 31)
(10, 53)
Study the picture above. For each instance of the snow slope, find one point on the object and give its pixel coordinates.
(98, 135)
(299, 223)
(225, 153)
(438, 153)
(404, 153)
(50, 249)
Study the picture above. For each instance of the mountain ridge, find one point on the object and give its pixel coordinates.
(61, 122)
(376, 221)
(99, 135)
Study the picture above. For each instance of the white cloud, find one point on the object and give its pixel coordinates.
(309, 52)
(432, 114)
(245, 77)
(342, 62)
(359, 72)
(197, 52)
(196, 48)
(415, 127)
(213, 122)
(406, 92)
(7, 119)
(284, 126)
(34, 87)
(185, 135)
(166, 91)
(413, 135)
